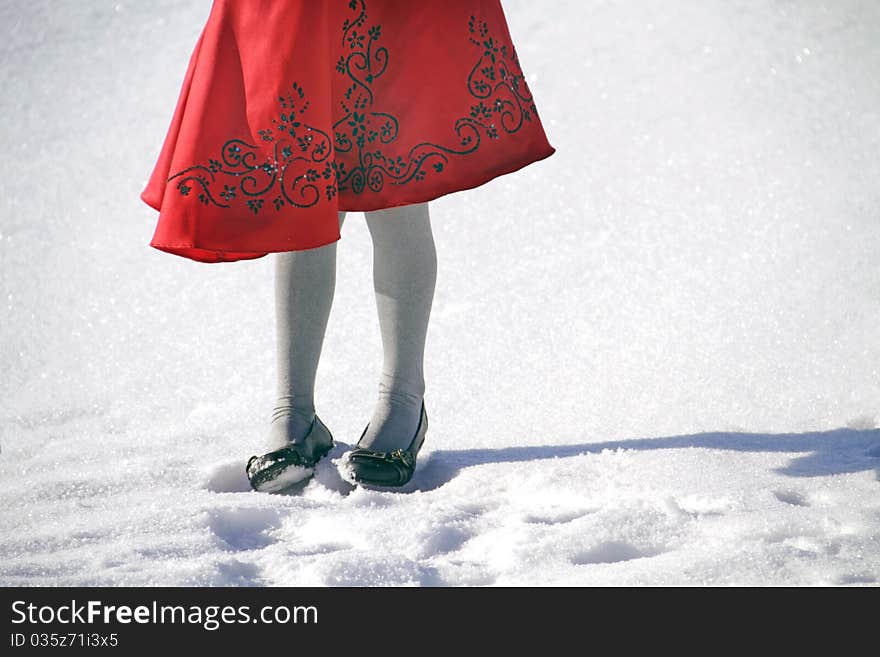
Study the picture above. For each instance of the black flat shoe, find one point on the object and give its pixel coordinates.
(395, 468)
(291, 464)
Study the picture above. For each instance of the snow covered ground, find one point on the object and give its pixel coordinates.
(653, 358)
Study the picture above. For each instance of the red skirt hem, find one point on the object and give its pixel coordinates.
(205, 252)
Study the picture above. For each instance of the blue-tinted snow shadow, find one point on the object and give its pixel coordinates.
(838, 451)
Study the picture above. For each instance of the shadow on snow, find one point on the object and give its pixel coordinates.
(820, 453)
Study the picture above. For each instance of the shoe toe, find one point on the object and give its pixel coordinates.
(287, 477)
(370, 470)
(271, 472)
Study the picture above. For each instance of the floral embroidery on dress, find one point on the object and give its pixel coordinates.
(302, 169)
(299, 171)
(497, 79)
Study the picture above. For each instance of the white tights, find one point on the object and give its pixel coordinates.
(404, 276)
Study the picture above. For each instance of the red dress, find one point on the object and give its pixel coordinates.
(292, 110)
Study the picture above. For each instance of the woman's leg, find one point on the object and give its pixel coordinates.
(404, 276)
(305, 282)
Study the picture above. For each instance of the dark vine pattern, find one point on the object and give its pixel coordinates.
(300, 165)
(301, 170)
(497, 79)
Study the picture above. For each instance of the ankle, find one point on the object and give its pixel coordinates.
(286, 413)
(287, 406)
(289, 423)
(403, 399)
(394, 421)
(397, 391)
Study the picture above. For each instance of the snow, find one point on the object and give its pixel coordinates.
(652, 359)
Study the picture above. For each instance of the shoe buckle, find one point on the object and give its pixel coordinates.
(403, 456)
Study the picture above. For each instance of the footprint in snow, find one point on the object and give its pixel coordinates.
(556, 518)
(612, 552)
(791, 497)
